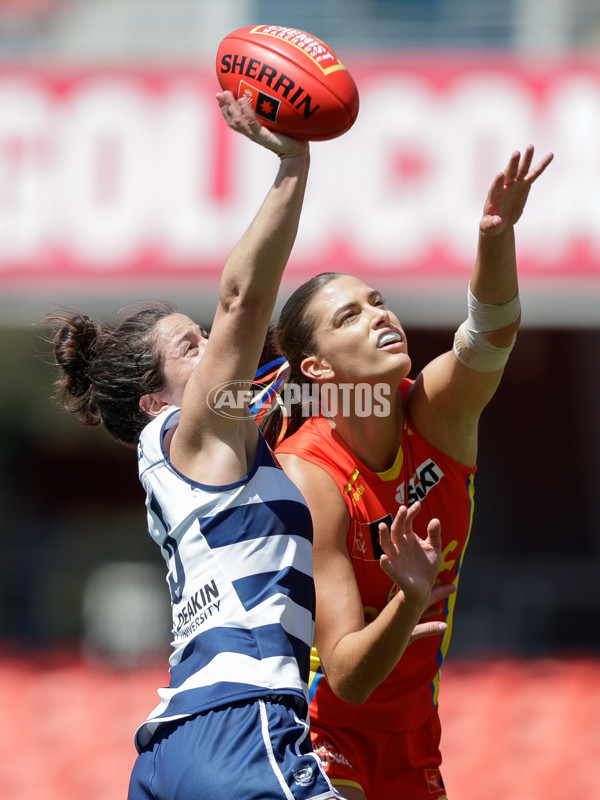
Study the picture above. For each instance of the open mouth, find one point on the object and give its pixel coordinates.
(389, 337)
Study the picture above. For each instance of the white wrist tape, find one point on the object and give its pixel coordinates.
(470, 345)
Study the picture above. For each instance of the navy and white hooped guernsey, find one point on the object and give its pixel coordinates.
(239, 561)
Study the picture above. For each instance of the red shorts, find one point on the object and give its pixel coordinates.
(385, 765)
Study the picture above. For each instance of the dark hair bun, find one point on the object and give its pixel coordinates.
(75, 345)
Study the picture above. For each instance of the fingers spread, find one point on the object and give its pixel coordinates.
(535, 173)
(434, 533)
(512, 167)
(525, 163)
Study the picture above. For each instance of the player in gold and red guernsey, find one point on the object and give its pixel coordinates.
(384, 442)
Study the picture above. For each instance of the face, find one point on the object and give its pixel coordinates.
(357, 337)
(182, 344)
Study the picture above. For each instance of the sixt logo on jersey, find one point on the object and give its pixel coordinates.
(268, 76)
(426, 476)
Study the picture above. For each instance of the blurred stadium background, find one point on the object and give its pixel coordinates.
(118, 181)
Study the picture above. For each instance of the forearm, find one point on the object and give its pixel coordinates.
(253, 270)
(363, 659)
(494, 279)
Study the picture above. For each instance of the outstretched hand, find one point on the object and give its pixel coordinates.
(241, 117)
(413, 564)
(509, 191)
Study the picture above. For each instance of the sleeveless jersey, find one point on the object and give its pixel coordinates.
(239, 560)
(445, 489)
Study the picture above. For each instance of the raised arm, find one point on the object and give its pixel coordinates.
(247, 294)
(451, 392)
(494, 278)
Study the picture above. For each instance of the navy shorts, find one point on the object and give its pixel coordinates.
(256, 750)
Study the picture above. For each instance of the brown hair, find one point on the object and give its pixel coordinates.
(293, 337)
(104, 369)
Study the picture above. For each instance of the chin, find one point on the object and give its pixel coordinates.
(398, 362)
(400, 370)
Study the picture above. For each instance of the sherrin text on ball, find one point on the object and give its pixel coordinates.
(295, 82)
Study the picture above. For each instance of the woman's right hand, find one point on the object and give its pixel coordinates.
(241, 117)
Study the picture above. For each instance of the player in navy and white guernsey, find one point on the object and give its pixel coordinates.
(240, 575)
(234, 531)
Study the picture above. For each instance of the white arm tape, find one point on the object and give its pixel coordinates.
(470, 345)
(484, 318)
(474, 351)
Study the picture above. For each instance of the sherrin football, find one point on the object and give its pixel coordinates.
(294, 81)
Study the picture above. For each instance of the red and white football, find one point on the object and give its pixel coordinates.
(295, 82)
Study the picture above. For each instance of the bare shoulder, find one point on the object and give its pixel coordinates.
(318, 489)
(445, 404)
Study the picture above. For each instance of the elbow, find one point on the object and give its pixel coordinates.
(351, 691)
(511, 330)
(240, 302)
(504, 337)
(351, 676)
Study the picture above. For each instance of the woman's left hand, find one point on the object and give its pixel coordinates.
(411, 562)
(509, 191)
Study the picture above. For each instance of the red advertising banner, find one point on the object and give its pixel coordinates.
(111, 176)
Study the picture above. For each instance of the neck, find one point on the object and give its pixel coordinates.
(375, 440)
